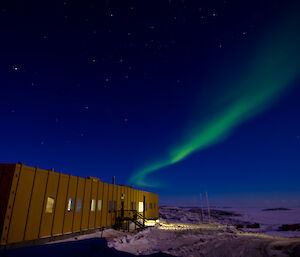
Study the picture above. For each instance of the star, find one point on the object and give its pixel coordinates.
(16, 68)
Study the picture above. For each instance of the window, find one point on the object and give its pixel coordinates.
(93, 205)
(79, 203)
(154, 205)
(49, 205)
(141, 206)
(99, 205)
(109, 206)
(70, 205)
(150, 205)
(115, 206)
(132, 206)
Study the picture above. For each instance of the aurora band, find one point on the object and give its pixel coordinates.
(274, 66)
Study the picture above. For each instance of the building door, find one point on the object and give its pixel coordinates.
(122, 209)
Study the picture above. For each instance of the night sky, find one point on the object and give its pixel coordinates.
(177, 97)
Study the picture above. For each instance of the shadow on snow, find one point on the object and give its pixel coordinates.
(82, 248)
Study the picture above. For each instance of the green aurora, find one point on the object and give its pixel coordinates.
(273, 67)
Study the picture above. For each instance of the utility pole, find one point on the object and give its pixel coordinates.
(208, 212)
(201, 205)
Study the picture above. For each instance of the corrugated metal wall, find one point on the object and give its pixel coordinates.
(40, 203)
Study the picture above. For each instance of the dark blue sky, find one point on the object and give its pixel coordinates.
(101, 88)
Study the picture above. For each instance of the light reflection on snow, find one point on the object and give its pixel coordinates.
(180, 226)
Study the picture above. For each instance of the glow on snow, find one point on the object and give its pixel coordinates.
(275, 66)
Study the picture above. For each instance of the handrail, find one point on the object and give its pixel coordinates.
(133, 215)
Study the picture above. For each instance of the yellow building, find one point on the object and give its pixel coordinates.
(39, 205)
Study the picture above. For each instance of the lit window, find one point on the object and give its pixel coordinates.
(93, 205)
(50, 205)
(99, 205)
(70, 205)
(141, 206)
(115, 206)
(109, 206)
(79, 203)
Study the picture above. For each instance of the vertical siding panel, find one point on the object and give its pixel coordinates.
(51, 191)
(36, 205)
(131, 197)
(69, 214)
(125, 196)
(94, 184)
(128, 198)
(114, 212)
(30, 203)
(141, 196)
(86, 205)
(109, 197)
(102, 213)
(78, 214)
(152, 202)
(99, 197)
(157, 206)
(118, 198)
(96, 198)
(8, 182)
(21, 205)
(104, 205)
(60, 205)
(75, 203)
(134, 196)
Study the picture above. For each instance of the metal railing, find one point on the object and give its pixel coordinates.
(130, 215)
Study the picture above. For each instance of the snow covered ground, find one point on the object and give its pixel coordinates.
(269, 220)
(181, 232)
